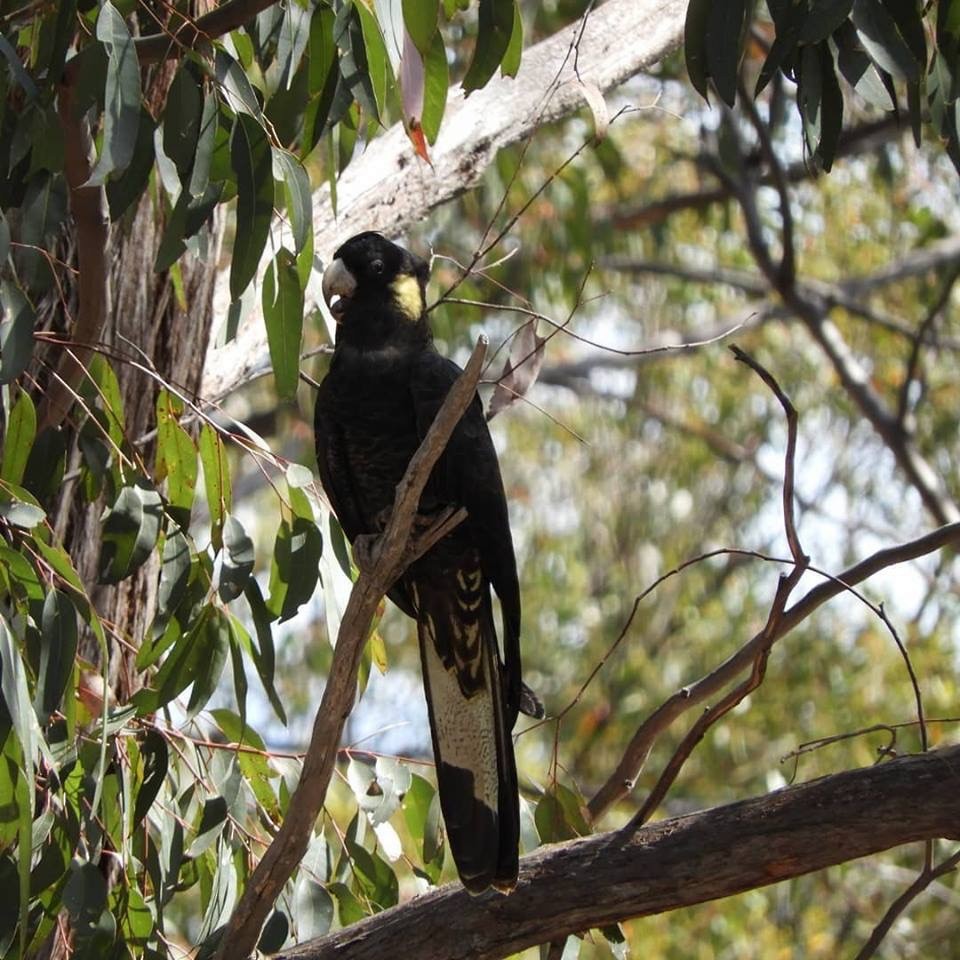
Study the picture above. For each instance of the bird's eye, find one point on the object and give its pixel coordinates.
(377, 266)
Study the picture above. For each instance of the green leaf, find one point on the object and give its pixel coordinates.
(130, 531)
(250, 155)
(43, 211)
(212, 821)
(21, 432)
(820, 102)
(559, 816)
(237, 560)
(510, 65)
(206, 145)
(860, 71)
(107, 396)
(322, 50)
(726, 23)
(85, 897)
(196, 657)
(216, 480)
(235, 84)
(882, 39)
(18, 506)
(215, 642)
(823, 17)
(121, 112)
(299, 204)
(292, 41)
(16, 65)
(16, 696)
(496, 23)
(420, 19)
(264, 657)
(435, 85)
(275, 932)
(188, 216)
(349, 908)
(295, 568)
(283, 315)
(58, 647)
(182, 117)
(174, 575)
(123, 190)
(374, 876)
(176, 458)
(16, 332)
(154, 756)
(377, 63)
(45, 465)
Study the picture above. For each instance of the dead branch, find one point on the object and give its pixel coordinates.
(670, 864)
(393, 556)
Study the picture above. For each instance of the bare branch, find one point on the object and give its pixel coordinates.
(635, 756)
(670, 864)
(393, 556)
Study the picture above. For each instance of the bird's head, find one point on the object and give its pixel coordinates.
(371, 281)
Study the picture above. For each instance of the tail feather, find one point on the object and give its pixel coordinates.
(476, 771)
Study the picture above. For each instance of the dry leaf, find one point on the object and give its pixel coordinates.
(520, 369)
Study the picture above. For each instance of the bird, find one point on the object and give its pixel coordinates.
(384, 386)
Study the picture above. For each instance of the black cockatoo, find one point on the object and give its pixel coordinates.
(385, 385)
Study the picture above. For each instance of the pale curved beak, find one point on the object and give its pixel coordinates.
(338, 286)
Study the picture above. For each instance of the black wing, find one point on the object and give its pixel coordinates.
(334, 465)
(468, 475)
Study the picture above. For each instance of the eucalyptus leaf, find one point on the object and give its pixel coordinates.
(121, 116)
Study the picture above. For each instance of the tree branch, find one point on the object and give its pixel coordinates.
(670, 864)
(635, 756)
(190, 34)
(89, 208)
(290, 844)
(387, 189)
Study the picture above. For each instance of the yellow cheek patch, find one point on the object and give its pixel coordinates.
(407, 296)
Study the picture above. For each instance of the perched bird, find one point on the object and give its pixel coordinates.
(385, 385)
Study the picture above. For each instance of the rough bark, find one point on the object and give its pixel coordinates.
(388, 189)
(571, 887)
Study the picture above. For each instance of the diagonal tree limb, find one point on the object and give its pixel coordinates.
(631, 763)
(393, 556)
(670, 864)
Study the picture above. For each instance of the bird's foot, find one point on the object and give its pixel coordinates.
(366, 550)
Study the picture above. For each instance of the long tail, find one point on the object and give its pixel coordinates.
(476, 770)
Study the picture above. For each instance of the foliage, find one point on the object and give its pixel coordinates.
(136, 813)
